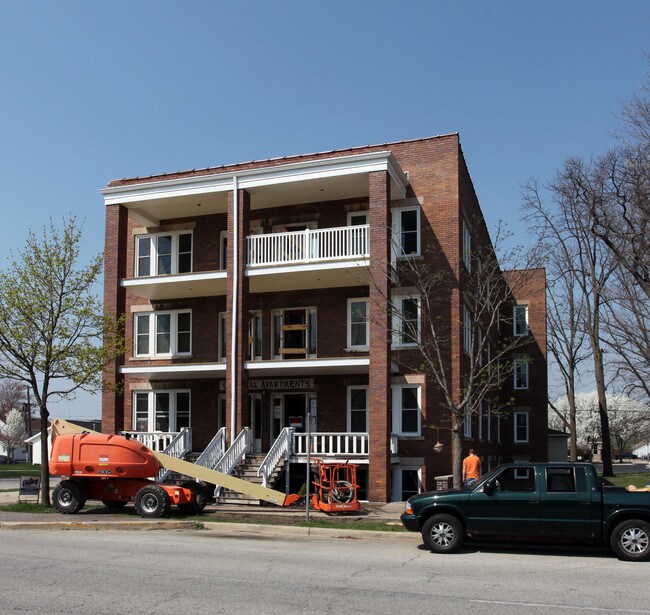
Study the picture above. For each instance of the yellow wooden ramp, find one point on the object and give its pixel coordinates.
(61, 426)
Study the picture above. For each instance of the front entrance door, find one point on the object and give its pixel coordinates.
(255, 407)
(290, 410)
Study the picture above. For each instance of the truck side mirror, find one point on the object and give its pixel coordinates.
(488, 488)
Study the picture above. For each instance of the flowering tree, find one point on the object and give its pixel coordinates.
(13, 433)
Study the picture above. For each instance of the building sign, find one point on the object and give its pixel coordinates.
(295, 384)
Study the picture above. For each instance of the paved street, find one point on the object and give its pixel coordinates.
(200, 571)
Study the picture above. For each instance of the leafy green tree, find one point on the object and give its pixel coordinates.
(51, 323)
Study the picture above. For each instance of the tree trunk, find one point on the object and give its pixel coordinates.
(456, 453)
(573, 436)
(608, 468)
(45, 459)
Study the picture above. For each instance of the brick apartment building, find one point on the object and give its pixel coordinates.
(254, 296)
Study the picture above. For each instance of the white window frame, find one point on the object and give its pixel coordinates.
(397, 409)
(353, 214)
(152, 336)
(151, 408)
(515, 415)
(521, 379)
(349, 408)
(153, 255)
(398, 482)
(352, 346)
(398, 311)
(516, 331)
(467, 329)
(397, 230)
(310, 311)
(467, 245)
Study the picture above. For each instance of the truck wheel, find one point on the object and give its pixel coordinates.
(114, 504)
(152, 501)
(443, 533)
(200, 500)
(630, 540)
(69, 497)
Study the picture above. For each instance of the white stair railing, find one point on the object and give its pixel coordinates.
(308, 246)
(178, 447)
(332, 444)
(280, 451)
(155, 440)
(213, 452)
(237, 451)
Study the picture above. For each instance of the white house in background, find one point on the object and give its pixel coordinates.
(20, 454)
(642, 451)
(35, 443)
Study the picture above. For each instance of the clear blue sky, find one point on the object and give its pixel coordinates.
(94, 91)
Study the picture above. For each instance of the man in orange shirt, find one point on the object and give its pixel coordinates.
(471, 468)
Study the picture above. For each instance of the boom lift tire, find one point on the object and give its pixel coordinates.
(200, 499)
(69, 497)
(152, 501)
(630, 540)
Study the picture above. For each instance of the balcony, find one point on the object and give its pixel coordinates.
(313, 258)
(164, 287)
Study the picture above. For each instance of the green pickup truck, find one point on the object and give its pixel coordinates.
(535, 501)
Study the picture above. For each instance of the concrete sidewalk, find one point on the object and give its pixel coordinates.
(223, 519)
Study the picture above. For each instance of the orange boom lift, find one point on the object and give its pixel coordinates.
(119, 470)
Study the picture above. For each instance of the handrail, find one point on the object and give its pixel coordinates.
(238, 449)
(178, 448)
(281, 449)
(332, 444)
(213, 452)
(155, 440)
(310, 245)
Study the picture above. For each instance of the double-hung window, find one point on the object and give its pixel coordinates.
(163, 254)
(163, 334)
(406, 320)
(468, 323)
(406, 230)
(358, 409)
(358, 324)
(520, 320)
(521, 426)
(520, 370)
(407, 415)
(167, 411)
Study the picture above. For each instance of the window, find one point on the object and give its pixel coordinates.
(467, 329)
(163, 334)
(358, 409)
(167, 411)
(406, 231)
(255, 336)
(406, 321)
(163, 254)
(467, 246)
(406, 410)
(521, 426)
(223, 250)
(407, 481)
(520, 320)
(479, 420)
(520, 370)
(516, 480)
(294, 333)
(358, 324)
(566, 480)
(467, 421)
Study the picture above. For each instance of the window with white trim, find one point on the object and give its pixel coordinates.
(167, 411)
(467, 246)
(406, 407)
(358, 409)
(467, 329)
(163, 254)
(358, 324)
(406, 320)
(520, 371)
(163, 334)
(467, 421)
(294, 333)
(407, 481)
(521, 427)
(255, 336)
(406, 230)
(520, 320)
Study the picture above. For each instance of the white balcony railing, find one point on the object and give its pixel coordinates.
(157, 441)
(329, 444)
(309, 246)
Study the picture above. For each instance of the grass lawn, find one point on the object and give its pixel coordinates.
(20, 468)
(623, 480)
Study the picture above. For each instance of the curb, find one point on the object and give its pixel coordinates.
(215, 527)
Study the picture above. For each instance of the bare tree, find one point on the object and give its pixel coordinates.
(576, 189)
(487, 297)
(51, 324)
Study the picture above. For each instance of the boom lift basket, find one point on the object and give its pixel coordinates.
(335, 490)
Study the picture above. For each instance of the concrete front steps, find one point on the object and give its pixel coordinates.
(247, 470)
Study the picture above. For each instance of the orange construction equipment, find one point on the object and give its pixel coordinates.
(118, 470)
(336, 488)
